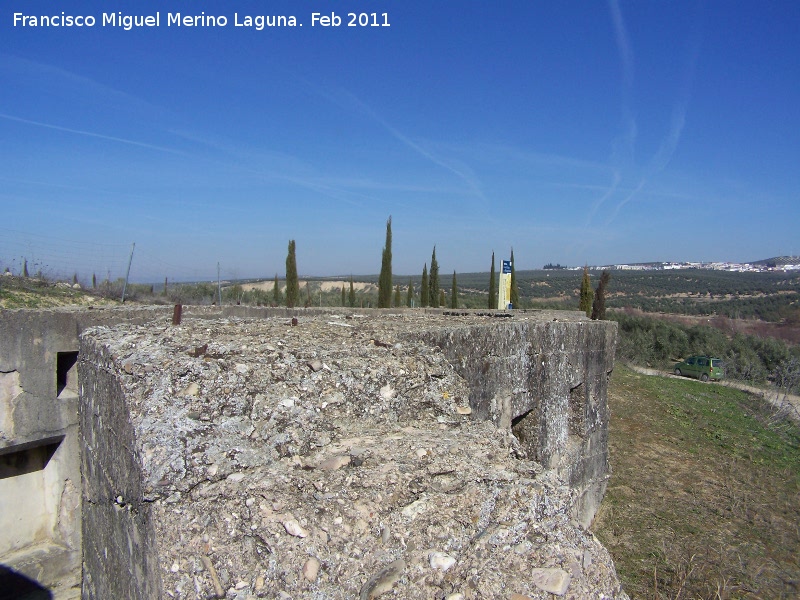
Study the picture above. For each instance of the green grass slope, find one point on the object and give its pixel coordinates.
(704, 497)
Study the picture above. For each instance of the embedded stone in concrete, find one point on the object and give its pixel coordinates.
(555, 581)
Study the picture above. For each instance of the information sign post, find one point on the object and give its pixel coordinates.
(504, 291)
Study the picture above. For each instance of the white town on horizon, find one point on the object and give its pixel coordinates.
(760, 267)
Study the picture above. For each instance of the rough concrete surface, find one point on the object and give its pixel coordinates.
(345, 457)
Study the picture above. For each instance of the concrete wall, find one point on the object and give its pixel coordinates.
(119, 555)
(40, 477)
(542, 377)
(547, 381)
(40, 481)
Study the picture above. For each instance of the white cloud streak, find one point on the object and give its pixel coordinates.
(669, 144)
(625, 149)
(470, 180)
(46, 75)
(624, 146)
(349, 101)
(623, 43)
(101, 136)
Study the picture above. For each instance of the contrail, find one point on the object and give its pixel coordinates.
(661, 159)
(623, 43)
(27, 68)
(669, 145)
(624, 145)
(91, 134)
(596, 206)
(347, 100)
(413, 145)
(420, 150)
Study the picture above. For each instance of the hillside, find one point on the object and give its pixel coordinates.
(702, 502)
(30, 292)
(777, 261)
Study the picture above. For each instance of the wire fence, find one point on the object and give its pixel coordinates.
(54, 257)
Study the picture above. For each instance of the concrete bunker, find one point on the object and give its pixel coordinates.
(541, 376)
(39, 467)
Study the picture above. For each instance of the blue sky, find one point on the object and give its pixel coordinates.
(576, 132)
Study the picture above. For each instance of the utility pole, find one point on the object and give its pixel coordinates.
(219, 287)
(128, 272)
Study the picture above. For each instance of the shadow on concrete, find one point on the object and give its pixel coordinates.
(15, 586)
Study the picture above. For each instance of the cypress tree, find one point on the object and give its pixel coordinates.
(514, 290)
(454, 293)
(398, 298)
(94, 281)
(344, 296)
(309, 301)
(165, 284)
(442, 299)
(292, 284)
(599, 304)
(410, 294)
(385, 279)
(423, 293)
(25, 267)
(492, 286)
(352, 297)
(587, 295)
(433, 282)
(276, 291)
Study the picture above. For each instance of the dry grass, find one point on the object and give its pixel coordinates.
(704, 498)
